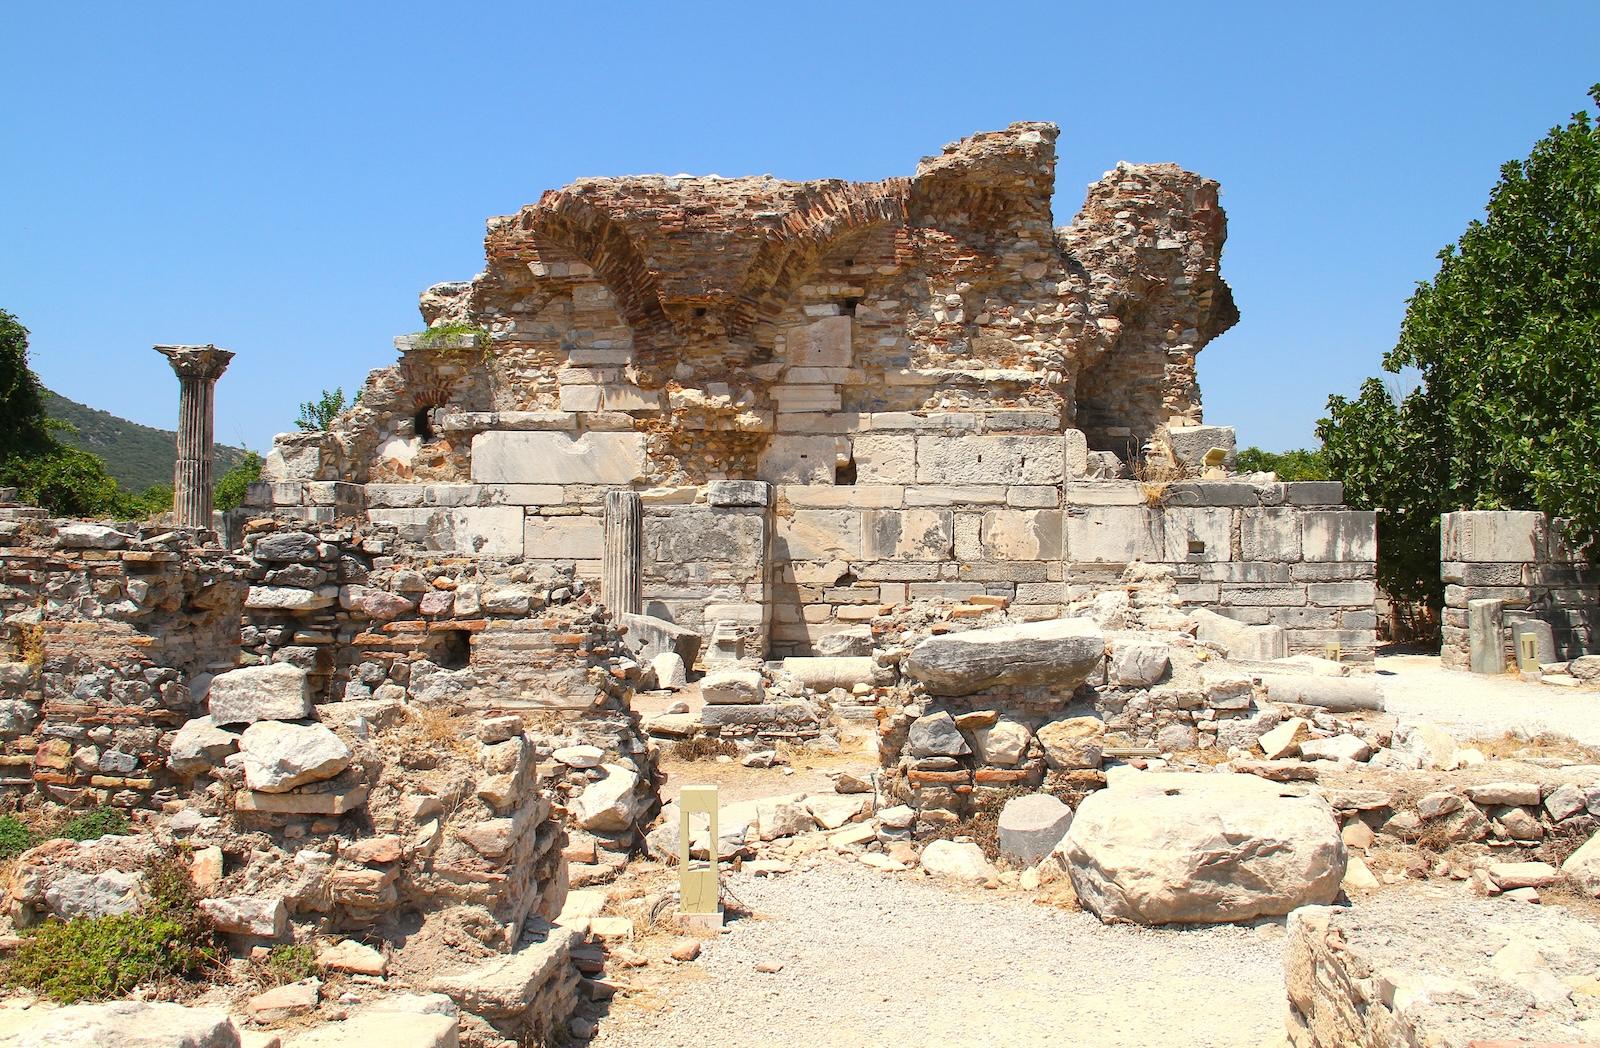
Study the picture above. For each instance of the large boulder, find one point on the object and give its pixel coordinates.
(257, 693)
(127, 1024)
(199, 746)
(103, 894)
(278, 757)
(1061, 652)
(1159, 848)
(1031, 827)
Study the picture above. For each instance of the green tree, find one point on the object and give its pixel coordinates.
(1503, 341)
(1297, 464)
(23, 427)
(233, 485)
(316, 416)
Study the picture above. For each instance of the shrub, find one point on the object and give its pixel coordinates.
(316, 416)
(290, 963)
(97, 823)
(15, 837)
(233, 485)
(93, 958)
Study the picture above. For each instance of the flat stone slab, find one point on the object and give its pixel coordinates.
(255, 693)
(557, 458)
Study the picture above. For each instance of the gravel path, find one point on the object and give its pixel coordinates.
(1474, 705)
(871, 958)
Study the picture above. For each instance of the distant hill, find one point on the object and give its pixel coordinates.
(138, 456)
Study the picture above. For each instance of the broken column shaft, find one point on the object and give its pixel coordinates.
(624, 554)
(198, 368)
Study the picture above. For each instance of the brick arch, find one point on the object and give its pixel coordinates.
(593, 237)
(842, 215)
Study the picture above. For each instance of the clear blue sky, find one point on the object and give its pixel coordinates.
(284, 182)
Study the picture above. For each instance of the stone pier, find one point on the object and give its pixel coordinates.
(198, 368)
(620, 572)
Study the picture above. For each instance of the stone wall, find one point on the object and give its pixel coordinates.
(1514, 572)
(1286, 555)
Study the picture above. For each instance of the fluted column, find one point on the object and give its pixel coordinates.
(620, 572)
(198, 368)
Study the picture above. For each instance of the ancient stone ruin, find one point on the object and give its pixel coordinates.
(893, 477)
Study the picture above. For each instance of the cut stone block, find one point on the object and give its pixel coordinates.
(255, 693)
(1191, 444)
(1493, 536)
(730, 687)
(1031, 827)
(615, 458)
(502, 986)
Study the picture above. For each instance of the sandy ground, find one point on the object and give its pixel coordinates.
(1470, 705)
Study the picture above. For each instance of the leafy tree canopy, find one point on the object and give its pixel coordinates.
(22, 417)
(1297, 464)
(1505, 341)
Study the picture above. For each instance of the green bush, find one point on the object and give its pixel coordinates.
(316, 416)
(15, 837)
(89, 825)
(94, 958)
(1298, 464)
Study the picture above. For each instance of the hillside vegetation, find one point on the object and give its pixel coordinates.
(137, 456)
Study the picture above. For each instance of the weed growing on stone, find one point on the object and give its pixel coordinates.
(89, 825)
(289, 963)
(15, 837)
(95, 958)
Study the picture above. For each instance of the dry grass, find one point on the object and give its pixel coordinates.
(702, 748)
(439, 729)
(1514, 745)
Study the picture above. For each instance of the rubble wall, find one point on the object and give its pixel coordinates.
(1523, 560)
(103, 633)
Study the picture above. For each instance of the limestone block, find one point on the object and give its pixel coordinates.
(1061, 652)
(277, 757)
(564, 538)
(959, 862)
(1270, 534)
(1030, 827)
(501, 986)
(884, 458)
(610, 396)
(1114, 535)
(610, 804)
(262, 915)
(649, 636)
(823, 674)
(795, 459)
(990, 458)
(1009, 534)
(489, 531)
(103, 894)
(616, 458)
(254, 693)
(1073, 743)
(1339, 535)
(1196, 534)
(1138, 664)
(126, 1024)
(388, 1028)
(1003, 743)
(1583, 866)
(669, 671)
(1075, 454)
(813, 534)
(908, 534)
(936, 735)
(729, 493)
(295, 457)
(1486, 650)
(1159, 848)
(199, 746)
(823, 343)
(693, 535)
(1191, 444)
(1493, 535)
(290, 599)
(730, 687)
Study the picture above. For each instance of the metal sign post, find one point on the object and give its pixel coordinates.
(699, 883)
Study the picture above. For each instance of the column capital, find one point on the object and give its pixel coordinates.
(201, 362)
